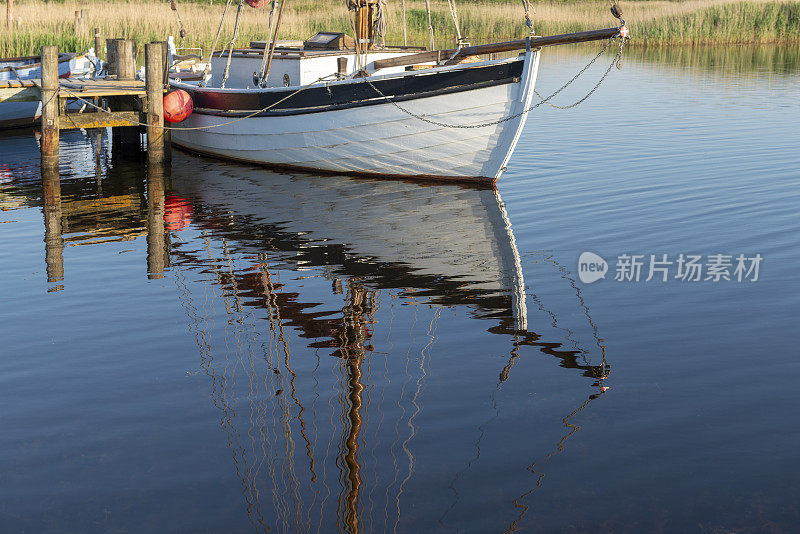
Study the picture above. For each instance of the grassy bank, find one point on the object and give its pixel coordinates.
(651, 22)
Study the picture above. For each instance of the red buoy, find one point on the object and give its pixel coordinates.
(257, 3)
(178, 105)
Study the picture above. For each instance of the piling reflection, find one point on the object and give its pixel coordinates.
(53, 240)
(89, 198)
(157, 237)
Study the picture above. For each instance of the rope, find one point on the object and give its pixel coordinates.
(232, 43)
(174, 7)
(272, 46)
(511, 117)
(405, 32)
(526, 6)
(261, 76)
(379, 26)
(248, 116)
(430, 24)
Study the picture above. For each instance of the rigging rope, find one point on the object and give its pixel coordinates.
(261, 73)
(430, 25)
(454, 14)
(353, 7)
(379, 25)
(214, 46)
(174, 7)
(273, 44)
(526, 6)
(232, 43)
(405, 32)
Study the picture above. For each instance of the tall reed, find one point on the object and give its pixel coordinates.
(651, 22)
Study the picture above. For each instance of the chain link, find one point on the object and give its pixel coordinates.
(516, 115)
(596, 86)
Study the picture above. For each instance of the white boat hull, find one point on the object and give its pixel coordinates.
(383, 138)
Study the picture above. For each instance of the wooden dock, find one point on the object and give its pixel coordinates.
(118, 100)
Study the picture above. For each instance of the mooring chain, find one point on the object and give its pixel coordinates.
(595, 88)
(516, 115)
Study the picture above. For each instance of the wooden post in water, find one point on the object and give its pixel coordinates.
(50, 124)
(53, 240)
(154, 85)
(98, 44)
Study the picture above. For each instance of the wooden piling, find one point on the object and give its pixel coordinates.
(126, 60)
(50, 118)
(129, 137)
(111, 56)
(98, 44)
(154, 85)
(9, 13)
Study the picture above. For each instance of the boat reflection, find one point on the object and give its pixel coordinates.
(319, 440)
(431, 246)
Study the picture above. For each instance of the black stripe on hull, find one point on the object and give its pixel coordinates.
(377, 99)
(341, 96)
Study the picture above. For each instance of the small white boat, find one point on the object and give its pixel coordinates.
(325, 106)
(22, 71)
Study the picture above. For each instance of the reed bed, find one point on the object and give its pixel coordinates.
(651, 22)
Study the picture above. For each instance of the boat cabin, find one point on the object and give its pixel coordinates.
(294, 63)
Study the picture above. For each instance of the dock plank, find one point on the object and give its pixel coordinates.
(98, 119)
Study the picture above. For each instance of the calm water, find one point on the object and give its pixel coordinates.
(230, 349)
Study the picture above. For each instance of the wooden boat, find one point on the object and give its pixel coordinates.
(326, 106)
(23, 71)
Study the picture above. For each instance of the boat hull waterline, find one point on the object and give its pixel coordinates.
(375, 136)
